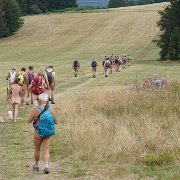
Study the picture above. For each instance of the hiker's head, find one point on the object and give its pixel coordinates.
(42, 70)
(43, 98)
(30, 68)
(13, 68)
(40, 74)
(16, 80)
(23, 69)
(48, 66)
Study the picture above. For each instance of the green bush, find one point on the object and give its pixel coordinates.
(159, 159)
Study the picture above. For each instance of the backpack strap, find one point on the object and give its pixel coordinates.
(42, 111)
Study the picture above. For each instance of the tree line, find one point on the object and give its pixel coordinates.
(11, 12)
(43, 6)
(122, 3)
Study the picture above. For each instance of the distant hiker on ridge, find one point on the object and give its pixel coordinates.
(94, 65)
(76, 66)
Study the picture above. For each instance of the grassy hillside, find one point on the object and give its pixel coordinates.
(107, 131)
(58, 38)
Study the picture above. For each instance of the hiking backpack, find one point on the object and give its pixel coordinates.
(46, 124)
(12, 77)
(94, 64)
(116, 61)
(30, 77)
(37, 85)
(21, 78)
(76, 64)
(49, 77)
(119, 62)
(107, 64)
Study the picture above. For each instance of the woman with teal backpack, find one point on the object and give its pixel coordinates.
(44, 120)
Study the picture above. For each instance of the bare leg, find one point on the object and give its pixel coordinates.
(15, 108)
(37, 144)
(22, 97)
(46, 144)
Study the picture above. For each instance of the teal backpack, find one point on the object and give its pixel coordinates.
(46, 125)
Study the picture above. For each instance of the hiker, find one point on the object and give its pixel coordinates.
(44, 78)
(44, 120)
(30, 77)
(124, 59)
(118, 62)
(51, 80)
(94, 65)
(11, 76)
(37, 87)
(107, 65)
(105, 58)
(23, 83)
(110, 68)
(76, 67)
(15, 92)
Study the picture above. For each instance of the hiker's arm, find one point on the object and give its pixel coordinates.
(31, 116)
(10, 90)
(8, 76)
(25, 79)
(54, 76)
(55, 117)
(46, 81)
(20, 92)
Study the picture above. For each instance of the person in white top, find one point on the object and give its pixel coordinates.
(11, 76)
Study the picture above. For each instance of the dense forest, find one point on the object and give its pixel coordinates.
(43, 6)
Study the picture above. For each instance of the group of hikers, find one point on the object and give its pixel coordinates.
(27, 87)
(108, 63)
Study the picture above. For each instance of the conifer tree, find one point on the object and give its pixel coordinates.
(169, 24)
(2, 22)
(12, 18)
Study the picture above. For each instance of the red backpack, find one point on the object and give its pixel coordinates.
(37, 85)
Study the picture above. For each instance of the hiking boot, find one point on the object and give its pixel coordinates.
(35, 168)
(94, 76)
(49, 99)
(106, 76)
(75, 75)
(52, 101)
(46, 170)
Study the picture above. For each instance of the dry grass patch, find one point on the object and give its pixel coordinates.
(119, 124)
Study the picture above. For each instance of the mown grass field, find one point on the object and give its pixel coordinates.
(138, 139)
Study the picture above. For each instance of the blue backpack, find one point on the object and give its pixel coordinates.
(119, 62)
(46, 125)
(94, 64)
